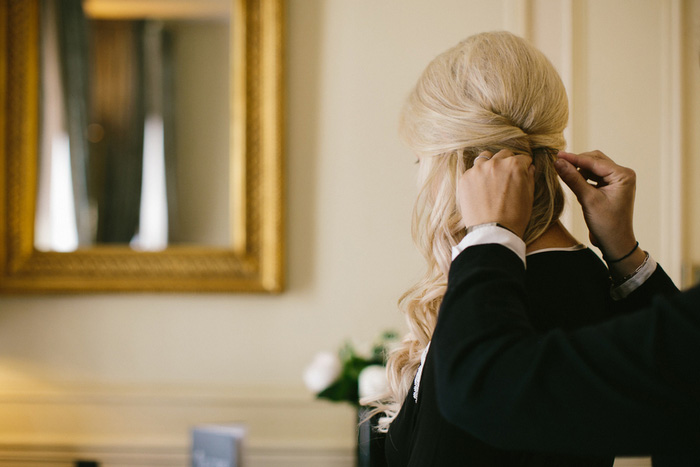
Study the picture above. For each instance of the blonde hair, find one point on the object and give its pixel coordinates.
(492, 91)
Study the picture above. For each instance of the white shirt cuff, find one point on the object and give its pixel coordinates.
(489, 235)
(630, 285)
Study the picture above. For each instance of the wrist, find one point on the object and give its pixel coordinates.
(619, 250)
(623, 268)
(610, 260)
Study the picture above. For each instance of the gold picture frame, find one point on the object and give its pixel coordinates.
(254, 263)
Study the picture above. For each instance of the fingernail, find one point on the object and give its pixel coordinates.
(559, 164)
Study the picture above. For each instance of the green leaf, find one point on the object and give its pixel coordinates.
(342, 390)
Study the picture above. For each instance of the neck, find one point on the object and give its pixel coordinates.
(556, 236)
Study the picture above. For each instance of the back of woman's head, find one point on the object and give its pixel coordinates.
(492, 91)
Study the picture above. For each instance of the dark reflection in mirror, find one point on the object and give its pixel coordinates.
(134, 133)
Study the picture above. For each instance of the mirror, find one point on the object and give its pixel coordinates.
(215, 220)
(134, 126)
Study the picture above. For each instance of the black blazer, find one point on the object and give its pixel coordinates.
(629, 386)
(565, 290)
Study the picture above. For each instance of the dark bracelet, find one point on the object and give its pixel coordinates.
(629, 276)
(612, 261)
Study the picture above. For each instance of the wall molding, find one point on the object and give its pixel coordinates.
(154, 456)
(518, 17)
(671, 150)
(145, 425)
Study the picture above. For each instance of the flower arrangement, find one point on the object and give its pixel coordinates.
(349, 376)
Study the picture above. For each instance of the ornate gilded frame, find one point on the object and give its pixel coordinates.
(254, 263)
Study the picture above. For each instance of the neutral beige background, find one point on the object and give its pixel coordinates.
(691, 113)
(121, 378)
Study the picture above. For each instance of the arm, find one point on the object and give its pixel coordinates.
(629, 386)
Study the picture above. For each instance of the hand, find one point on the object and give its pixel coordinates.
(608, 205)
(499, 188)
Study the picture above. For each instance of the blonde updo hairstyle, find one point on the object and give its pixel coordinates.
(492, 91)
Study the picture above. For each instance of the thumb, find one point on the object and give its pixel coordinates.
(572, 178)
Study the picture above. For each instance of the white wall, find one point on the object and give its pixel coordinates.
(121, 378)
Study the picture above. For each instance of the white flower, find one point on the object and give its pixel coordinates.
(322, 371)
(372, 381)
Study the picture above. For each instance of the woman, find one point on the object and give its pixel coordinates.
(491, 92)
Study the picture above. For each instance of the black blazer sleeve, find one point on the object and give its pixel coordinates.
(658, 284)
(629, 386)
